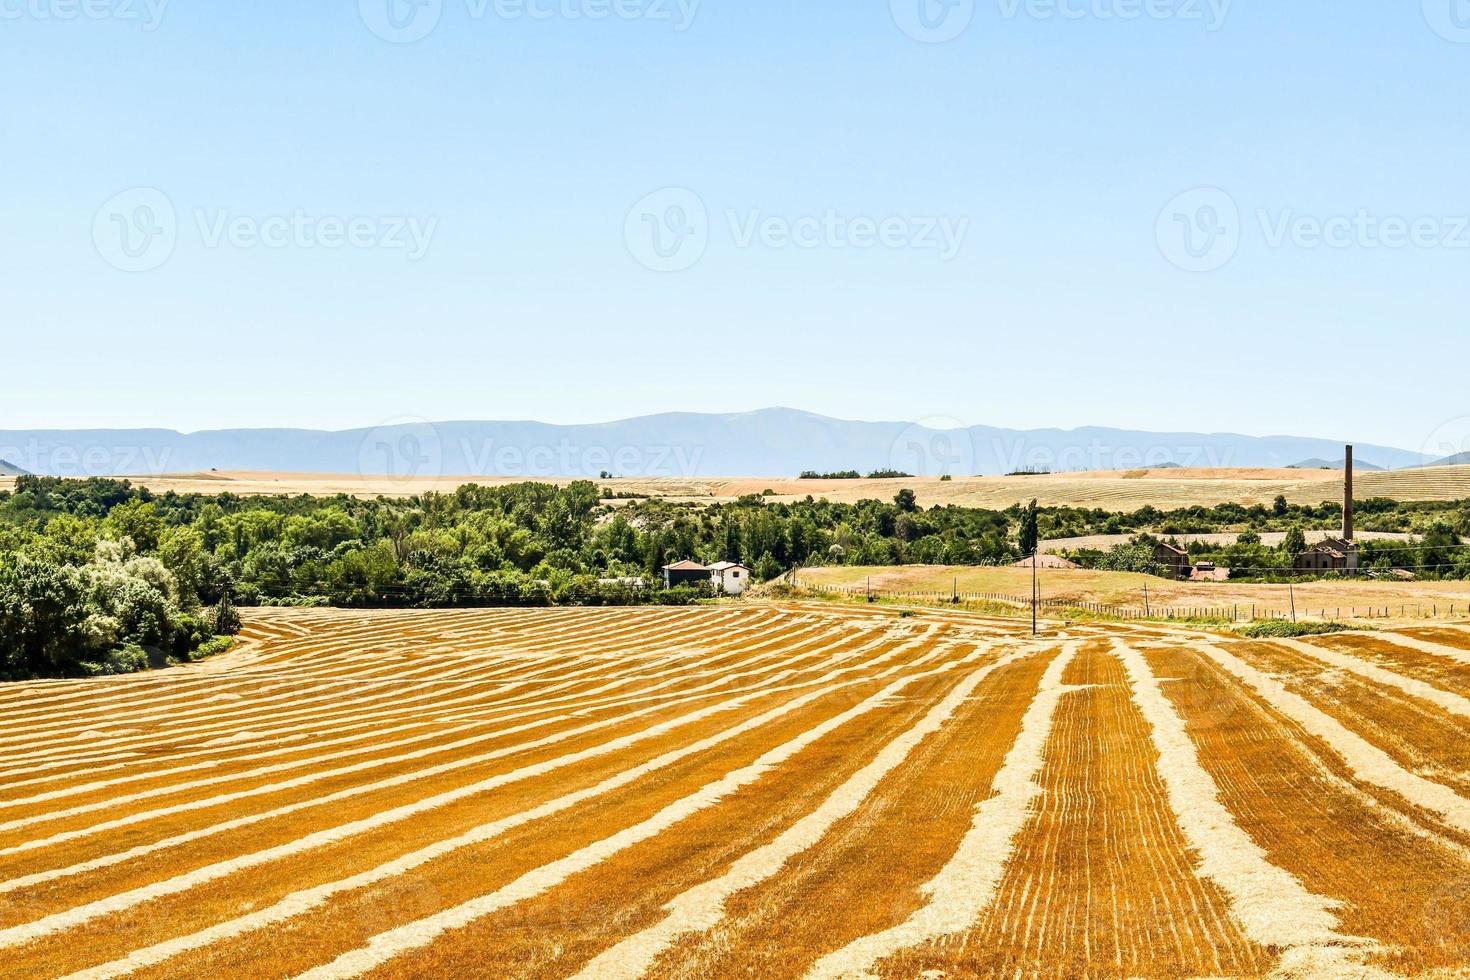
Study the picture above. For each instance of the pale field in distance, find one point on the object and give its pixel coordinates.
(1116, 490)
(1126, 589)
(743, 789)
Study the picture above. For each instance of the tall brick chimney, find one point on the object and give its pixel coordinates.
(1347, 497)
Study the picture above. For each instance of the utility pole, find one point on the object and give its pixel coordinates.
(1145, 601)
(1291, 590)
(1035, 589)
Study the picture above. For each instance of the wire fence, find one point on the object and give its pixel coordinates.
(1234, 613)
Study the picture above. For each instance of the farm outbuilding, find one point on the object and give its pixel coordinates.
(1332, 555)
(727, 577)
(685, 573)
(1173, 562)
(730, 577)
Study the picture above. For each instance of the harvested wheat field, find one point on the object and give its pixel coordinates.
(744, 790)
(1116, 490)
(1357, 598)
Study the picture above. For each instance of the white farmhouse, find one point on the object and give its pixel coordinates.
(729, 577)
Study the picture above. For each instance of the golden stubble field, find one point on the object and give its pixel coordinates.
(743, 790)
(1124, 490)
(1344, 598)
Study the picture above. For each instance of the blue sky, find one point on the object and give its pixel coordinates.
(881, 225)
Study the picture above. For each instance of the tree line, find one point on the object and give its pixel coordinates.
(101, 576)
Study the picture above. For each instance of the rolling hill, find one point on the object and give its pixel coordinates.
(771, 442)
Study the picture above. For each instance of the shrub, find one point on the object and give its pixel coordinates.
(213, 647)
(1284, 629)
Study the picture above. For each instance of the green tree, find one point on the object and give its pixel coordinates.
(226, 618)
(1030, 536)
(905, 501)
(138, 521)
(1295, 544)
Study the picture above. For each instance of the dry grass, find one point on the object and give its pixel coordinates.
(753, 789)
(1125, 490)
(1345, 598)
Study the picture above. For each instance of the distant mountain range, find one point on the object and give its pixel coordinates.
(9, 469)
(770, 442)
(1459, 459)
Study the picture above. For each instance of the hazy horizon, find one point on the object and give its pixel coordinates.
(1195, 214)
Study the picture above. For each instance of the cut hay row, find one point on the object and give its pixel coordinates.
(1393, 654)
(366, 642)
(701, 908)
(377, 821)
(1448, 651)
(1419, 735)
(483, 710)
(305, 901)
(1453, 703)
(1395, 880)
(1367, 762)
(1273, 907)
(1101, 879)
(415, 935)
(346, 707)
(744, 790)
(423, 805)
(732, 698)
(291, 684)
(440, 738)
(966, 886)
(865, 875)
